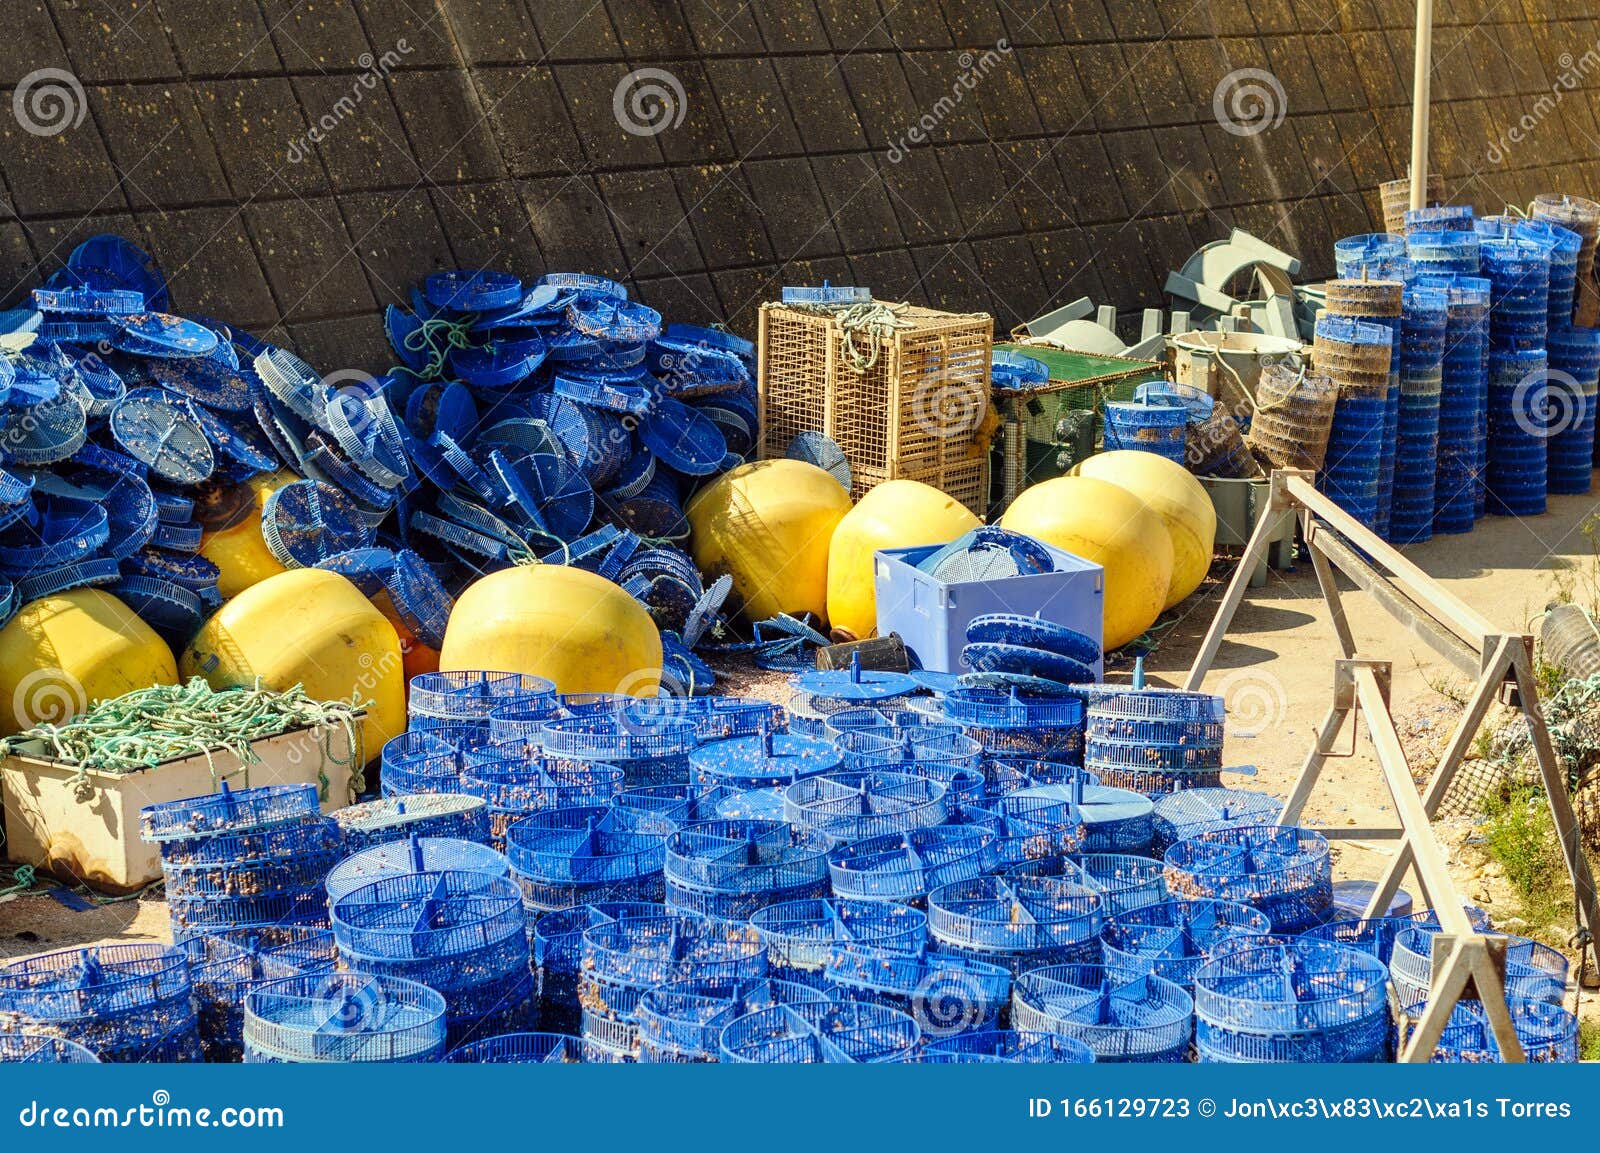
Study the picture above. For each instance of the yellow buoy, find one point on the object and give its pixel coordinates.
(236, 547)
(768, 525)
(894, 514)
(312, 628)
(1098, 521)
(1171, 492)
(62, 652)
(568, 625)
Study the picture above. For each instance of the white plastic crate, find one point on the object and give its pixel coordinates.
(931, 615)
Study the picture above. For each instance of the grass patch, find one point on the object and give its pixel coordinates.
(1519, 833)
(1589, 1040)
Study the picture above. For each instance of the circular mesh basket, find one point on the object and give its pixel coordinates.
(415, 855)
(519, 1049)
(1006, 1047)
(1172, 938)
(125, 1003)
(340, 1017)
(852, 806)
(417, 814)
(1548, 1033)
(821, 1033)
(682, 1021)
(623, 960)
(1143, 1018)
(1020, 920)
(801, 935)
(1308, 1001)
(585, 854)
(907, 866)
(1534, 971)
(1284, 872)
(224, 968)
(730, 868)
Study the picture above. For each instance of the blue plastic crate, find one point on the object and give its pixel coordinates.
(931, 615)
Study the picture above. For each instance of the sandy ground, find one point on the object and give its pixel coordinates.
(1275, 670)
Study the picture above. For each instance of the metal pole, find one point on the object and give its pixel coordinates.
(1421, 70)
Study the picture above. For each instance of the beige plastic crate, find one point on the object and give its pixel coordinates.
(97, 840)
(921, 412)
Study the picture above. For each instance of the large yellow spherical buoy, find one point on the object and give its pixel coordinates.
(312, 628)
(1171, 492)
(565, 624)
(768, 525)
(236, 547)
(60, 653)
(894, 514)
(1098, 521)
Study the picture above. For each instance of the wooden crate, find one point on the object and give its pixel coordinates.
(97, 840)
(921, 412)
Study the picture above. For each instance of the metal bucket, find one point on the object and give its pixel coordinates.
(1239, 504)
(1228, 364)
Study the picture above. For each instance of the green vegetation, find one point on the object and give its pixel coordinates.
(1519, 834)
(1589, 1040)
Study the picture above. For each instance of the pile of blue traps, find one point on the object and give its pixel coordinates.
(904, 884)
(233, 860)
(1505, 414)
(123, 1003)
(556, 421)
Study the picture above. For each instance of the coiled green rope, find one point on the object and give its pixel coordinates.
(437, 337)
(142, 729)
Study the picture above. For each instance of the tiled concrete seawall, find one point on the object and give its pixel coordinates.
(305, 162)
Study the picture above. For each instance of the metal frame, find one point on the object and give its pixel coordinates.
(1466, 965)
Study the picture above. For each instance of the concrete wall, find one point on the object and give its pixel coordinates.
(1084, 156)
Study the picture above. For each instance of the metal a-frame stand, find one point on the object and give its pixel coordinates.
(1466, 965)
